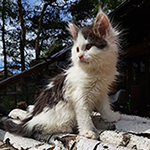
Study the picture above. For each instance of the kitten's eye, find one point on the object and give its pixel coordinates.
(77, 49)
(88, 46)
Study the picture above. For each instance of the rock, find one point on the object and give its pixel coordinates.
(131, 132)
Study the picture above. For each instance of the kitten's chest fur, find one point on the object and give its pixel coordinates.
(87, 86)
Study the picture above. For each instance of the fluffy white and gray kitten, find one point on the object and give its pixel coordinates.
(70, 98)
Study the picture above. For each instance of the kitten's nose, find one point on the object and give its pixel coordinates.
(80, 56)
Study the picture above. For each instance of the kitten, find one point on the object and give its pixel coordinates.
(70, 98)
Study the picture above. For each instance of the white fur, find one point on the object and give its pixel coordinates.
(88, 83)
(58, 119)
(86, 88)
(18, 114)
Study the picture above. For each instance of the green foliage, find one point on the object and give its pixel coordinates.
(109, 5)
(54, 47)
(53, 25)
(9, 10)
(82, 10)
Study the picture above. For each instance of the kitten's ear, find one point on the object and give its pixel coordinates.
(73, 30)
(101, 24)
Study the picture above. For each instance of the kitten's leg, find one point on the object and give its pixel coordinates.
(107, 114)
(85, 124)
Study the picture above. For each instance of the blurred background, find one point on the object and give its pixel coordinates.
(35, 46)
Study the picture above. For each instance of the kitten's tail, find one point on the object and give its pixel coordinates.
(18, 129)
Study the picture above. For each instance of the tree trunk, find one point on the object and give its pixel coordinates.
(37, 51)
(3, 40)
(23, 35)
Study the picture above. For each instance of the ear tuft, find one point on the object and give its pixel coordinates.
(73, 30)
(101, 24)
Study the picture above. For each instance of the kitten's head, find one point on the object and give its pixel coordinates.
(94, 45)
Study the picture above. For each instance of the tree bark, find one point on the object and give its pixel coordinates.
(132, 132)
(3, 41)
(37, 51)
(23, 35)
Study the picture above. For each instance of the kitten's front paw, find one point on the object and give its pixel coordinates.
(112, 117)
(89, 134)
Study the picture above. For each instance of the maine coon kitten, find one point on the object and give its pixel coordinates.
(70, 98)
